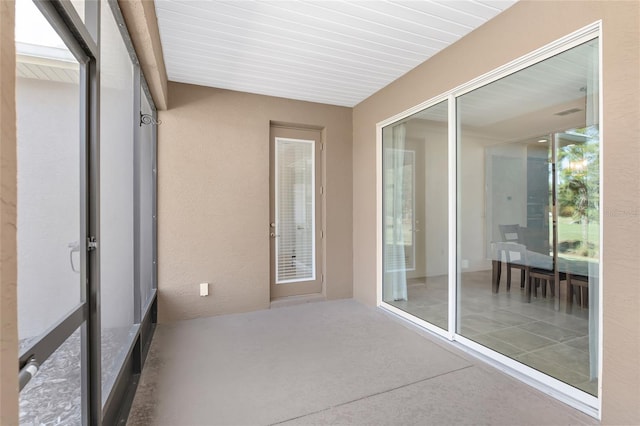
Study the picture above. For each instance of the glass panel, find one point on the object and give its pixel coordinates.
(78, 5)
(295, 210)
(48, 231)
(116, 198)
(528, 237)
(53, 395)
(415, 212)
(146, 206)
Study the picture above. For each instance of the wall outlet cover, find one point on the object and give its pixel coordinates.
(204, 289)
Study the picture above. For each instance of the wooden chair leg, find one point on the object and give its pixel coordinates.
(522, 278)
(508, 276)
(551, 284)
(583, 298)
(569, 298)
(527, 286)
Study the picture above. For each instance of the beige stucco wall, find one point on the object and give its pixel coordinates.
(142, 23)
(526, 26)
(213, 201)
(8, 264)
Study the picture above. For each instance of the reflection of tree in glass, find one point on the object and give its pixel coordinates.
(579, 186)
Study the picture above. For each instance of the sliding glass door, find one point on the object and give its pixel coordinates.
(529, 148)
(523, 149)
(415, 215)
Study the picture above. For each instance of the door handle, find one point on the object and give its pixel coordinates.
(74, 247)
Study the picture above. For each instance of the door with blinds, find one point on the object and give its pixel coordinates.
(295, 226)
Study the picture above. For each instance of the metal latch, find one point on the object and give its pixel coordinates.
(92, 244)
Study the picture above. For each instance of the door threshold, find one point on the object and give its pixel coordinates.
(281, 302)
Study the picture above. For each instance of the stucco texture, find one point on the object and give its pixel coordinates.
(213, 201)
(8, 193)
(525, 27)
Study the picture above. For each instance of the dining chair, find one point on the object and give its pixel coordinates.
(537, 269)
(513, 234)
(540, 274)
(577, 282)
(578, 286)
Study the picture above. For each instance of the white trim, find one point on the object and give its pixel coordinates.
(576, 398)
(530, 376)
(313, 210)
(602, 204)
(412, 319)
(567, 42)
(424, 105)
(60, 56)
(379, 219)
(453, 215)
(563, 44)
(543, 382)
(296, 281)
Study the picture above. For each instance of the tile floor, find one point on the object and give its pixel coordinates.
(554, 342)
(327, 363)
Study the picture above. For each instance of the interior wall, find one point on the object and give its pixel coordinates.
(8, 195)
(213, 200)
(429, 140)
(506, 188)
(531, 25)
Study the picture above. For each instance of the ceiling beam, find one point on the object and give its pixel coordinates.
(142, 23)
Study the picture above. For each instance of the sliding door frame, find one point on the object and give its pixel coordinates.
(578, 399)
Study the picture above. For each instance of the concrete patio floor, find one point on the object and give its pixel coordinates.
(336, 362)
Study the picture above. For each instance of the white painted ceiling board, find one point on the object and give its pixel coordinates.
(338, 52)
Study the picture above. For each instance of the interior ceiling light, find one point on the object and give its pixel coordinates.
(542, 140)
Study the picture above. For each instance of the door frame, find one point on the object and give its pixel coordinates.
(307, 287)
(568, 394)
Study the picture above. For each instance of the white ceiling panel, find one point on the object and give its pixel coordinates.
(336, 52)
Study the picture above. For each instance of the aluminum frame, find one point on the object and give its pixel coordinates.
(81, 38)
(137, 106)
(578, 399)
(116, 405)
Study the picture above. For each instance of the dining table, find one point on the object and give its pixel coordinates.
(564, 268)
